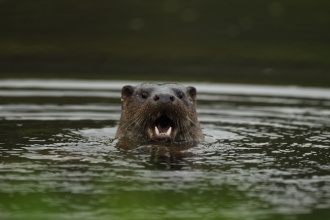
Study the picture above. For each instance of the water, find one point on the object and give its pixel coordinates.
(266, 155)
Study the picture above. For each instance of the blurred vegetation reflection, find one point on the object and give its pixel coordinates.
(231, 41)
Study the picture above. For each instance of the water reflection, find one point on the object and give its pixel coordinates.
(266, 155)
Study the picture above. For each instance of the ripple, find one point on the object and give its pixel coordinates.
(266, 154)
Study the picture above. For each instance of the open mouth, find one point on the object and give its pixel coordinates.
(163, 128)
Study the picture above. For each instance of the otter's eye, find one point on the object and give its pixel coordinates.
(144, 95)
(180, 95)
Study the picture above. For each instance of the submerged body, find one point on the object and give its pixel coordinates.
(159, 112)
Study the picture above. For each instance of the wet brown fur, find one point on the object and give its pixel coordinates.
(138, 115)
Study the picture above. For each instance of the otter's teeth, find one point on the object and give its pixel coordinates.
(168, 132)
(156, 130)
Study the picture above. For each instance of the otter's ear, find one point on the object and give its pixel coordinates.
(192, 92)
(127, 91)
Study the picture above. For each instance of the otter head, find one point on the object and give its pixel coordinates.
(160, 112)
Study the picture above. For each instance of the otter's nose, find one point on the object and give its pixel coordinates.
(164, 98)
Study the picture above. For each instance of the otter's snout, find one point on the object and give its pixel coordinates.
(164, 98)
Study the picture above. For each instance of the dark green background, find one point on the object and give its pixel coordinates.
(255, 41)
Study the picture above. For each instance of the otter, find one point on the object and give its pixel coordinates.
(159, 112)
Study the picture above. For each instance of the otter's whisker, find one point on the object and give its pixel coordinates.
(163, 112)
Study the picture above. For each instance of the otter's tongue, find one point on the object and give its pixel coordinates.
(163, 126)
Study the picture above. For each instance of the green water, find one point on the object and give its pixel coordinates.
(266, 155)
(266, 152)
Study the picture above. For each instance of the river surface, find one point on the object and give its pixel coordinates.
(266, 155)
